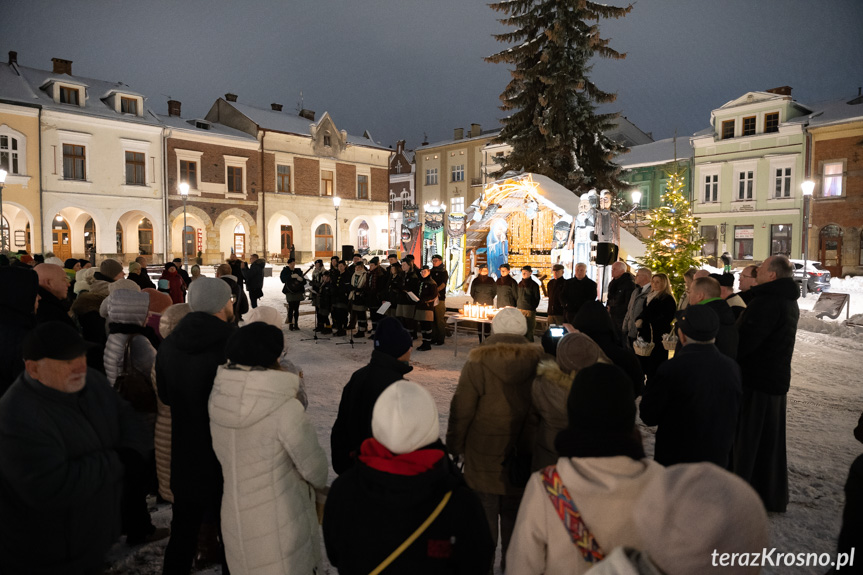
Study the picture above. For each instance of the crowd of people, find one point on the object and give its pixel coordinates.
(115, 389)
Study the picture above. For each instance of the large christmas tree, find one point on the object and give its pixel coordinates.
(675, 245)
(553, 127)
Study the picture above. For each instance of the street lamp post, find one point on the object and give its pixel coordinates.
(808, 187)
(3, 246)
(337, 201)
(636, 203)
(184, 191)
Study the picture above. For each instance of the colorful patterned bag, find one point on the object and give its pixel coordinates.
(569, 514)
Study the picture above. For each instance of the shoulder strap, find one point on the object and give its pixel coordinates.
(407, 543)
(571, 517)
(127, 355)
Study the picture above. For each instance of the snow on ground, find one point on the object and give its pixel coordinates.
(824, 403)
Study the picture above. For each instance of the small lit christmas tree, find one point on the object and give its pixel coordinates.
(675, 245)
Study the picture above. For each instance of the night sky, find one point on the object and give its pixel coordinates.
(400, 69)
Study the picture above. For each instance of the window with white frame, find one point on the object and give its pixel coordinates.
(710, 185)
(782, 182)
(12, 147)
(235, 175)
(458, 173)
(135, 168)
(74, 162)
(456, 205)
(189, 167)
(70, 95)
(831, 179)
(745, 184)
(431, 177)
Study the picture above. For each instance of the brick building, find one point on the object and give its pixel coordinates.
(402, 180)
(305, 163)
(836, 166)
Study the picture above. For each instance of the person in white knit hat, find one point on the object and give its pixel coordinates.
(489, 416)
(403, 480)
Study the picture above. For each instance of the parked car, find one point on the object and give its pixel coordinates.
(818, 277)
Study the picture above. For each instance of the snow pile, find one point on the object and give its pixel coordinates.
(809, 322)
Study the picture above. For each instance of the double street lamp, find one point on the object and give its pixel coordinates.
(808, 187)
(184, 192)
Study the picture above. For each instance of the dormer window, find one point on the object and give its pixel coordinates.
(202, 125)
(69, 95)
(327, 139)
(771, 122)
(749, 126)
(129, 106)
(727, 129)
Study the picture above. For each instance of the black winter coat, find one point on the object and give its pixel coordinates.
(428, 293)
(440, 277)
(507, 291)
(18, 289)
(236, 270)
(576, 293)
(342, 290)
(528, 295)
(376, 288)
(326, 295)
(619, 292)
(254, 277)
(555, 289)
(483, 289)
(593, 321)
(369, 513)
(395, 285)
(768, 328)
(694, 398)
(354, 422)
(61, 474)
(185, 368)
(411, 284)
(52, 308)
(142, 279)
(655, 322)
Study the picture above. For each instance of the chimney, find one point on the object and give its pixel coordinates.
(475, 130)
(307, 114)
(458, 134)
(174, 108)
(400, 146)
(276, 107)
(231, 97)
(62, 66)
(780, 91)
(13, 57)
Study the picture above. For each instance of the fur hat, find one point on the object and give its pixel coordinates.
(264, 313)
(405, 417)
(110, 268)
(257, 344)
(84, 279)
(209, 295)
(391, 338)
(54, 260)
(171, 317)
(575, 351)
(509, 320)
(690, 511)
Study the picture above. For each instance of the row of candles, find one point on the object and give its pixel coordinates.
(478, 311)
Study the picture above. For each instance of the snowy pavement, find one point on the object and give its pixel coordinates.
(824, 403)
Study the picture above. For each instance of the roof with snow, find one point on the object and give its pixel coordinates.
(26, 85)
(655, 153)
(291, 124)
(466, 139)
(214, 129)
(837, 112)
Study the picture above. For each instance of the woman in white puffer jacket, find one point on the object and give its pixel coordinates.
(270, 457)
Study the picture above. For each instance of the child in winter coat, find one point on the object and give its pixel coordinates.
(270, 457)
(402, 479)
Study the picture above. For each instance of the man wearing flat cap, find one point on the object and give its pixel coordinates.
(64, 434)
(186, 366)
(554, 288)
(694, 397)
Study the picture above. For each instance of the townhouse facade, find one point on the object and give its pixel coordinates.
(305, 164)
(19, 157)
(402, 189)
(747, 169)
(836, 167)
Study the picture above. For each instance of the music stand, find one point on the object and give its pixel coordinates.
(315, 337)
